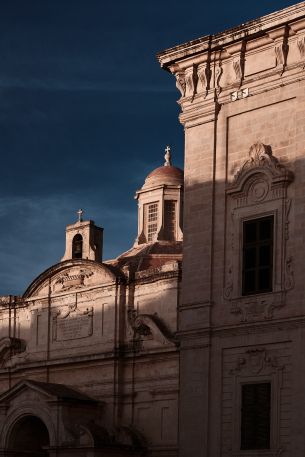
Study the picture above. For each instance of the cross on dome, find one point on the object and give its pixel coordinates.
(167, 157)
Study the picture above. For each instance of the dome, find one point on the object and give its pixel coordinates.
(164, 175)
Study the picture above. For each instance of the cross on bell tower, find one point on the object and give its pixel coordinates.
(80, 213)
(84, 240)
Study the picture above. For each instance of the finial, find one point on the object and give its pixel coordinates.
(80, 213)
(167, 157)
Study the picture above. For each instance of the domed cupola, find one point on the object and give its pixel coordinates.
(160, 204)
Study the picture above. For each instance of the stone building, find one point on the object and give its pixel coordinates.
(124, 357)
(242, 310)
(89, 356)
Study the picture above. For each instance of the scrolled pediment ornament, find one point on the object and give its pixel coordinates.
(261, 159)
(148, 326)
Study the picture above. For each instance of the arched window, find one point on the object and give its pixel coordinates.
(77, 247)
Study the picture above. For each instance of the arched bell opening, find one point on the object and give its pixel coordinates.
(77, 247)
(28, 437)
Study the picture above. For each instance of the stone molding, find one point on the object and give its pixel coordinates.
(258, 188)
(214, 71)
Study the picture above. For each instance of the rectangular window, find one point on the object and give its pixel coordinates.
(151, 220)
(255, 416)
(257, 256)
(169, 220)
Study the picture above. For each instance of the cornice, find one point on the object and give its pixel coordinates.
(240, 329)
(248, 30)
(200, 111)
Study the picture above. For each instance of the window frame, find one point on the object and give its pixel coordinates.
(272, 375)
(148, 223)
(258, 188)
(256, 245)
(242, 384)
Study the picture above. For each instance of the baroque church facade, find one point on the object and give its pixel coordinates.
(151, 354)
(89, 355)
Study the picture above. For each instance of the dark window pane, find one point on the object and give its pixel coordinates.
(250, 257)
(250, 232)
(264, 255)
(255, 416)
(265, 229)
(249, 281)
(257, 255)
(264, 279)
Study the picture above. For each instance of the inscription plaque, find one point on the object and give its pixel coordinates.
(73, 326)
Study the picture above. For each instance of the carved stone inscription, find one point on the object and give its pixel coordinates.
(73, 327)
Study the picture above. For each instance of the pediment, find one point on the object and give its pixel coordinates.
(36, 391)
(260, 161)
(71, 275)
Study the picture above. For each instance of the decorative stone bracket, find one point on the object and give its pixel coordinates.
(149, 327)
(281, 47)
(10, 347)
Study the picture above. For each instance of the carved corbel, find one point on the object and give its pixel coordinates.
(281, 48)
(237, 51)
(180, 82)
(10, 346)
(218, 74)
(191, 79)
(204, 77)
(301, 47)
(298, 28)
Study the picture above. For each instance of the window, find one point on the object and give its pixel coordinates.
(77, 247)
(257, 256)
(151, 220)
(255, 416)
(170, 220)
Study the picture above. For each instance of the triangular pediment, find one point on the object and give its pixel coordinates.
(30, 390)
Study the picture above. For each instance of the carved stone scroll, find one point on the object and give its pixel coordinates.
(262, 159)
(147, 326)
(180, 83)
(301, 47)
(297, 27)
(204, 77)
(191, 79)
(218, 74)
(281, 47)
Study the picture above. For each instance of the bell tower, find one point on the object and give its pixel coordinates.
(160, 203)
(84, 240)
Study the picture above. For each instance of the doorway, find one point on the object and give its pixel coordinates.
(29, 437)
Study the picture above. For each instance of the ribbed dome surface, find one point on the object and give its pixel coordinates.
(164, 175)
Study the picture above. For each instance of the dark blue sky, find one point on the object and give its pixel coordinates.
(85, 114)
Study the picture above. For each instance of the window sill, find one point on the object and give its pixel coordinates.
(258, 306)
(257, 453)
